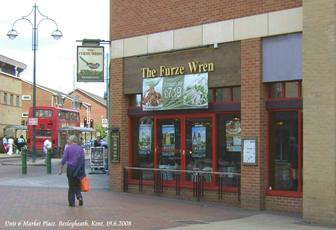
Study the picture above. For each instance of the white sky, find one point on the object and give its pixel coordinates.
(56, 59)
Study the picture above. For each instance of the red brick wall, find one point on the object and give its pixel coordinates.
(98, 111)
(43, 97)
(132, 18)
(284, 204)
(119, 119)
(253, 122)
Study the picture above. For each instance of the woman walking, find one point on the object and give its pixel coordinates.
(74, 158)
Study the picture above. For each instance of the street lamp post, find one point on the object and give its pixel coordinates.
(56, 34)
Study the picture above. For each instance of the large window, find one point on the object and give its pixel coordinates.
(285, 150)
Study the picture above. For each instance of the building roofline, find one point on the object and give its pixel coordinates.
(89, 95)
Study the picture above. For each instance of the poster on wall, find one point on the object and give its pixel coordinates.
(233, 141)
(178, 92)
(145, 139)
(250, 151)
(198, 133)
(90, 64)
(168, 140)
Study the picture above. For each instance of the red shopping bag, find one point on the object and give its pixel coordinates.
(84, 184)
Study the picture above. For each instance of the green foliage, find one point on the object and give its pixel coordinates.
(99, 129)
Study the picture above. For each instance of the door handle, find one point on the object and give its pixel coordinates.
(183, 152)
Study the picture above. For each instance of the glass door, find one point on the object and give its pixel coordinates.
(168, 145)
(199, 146)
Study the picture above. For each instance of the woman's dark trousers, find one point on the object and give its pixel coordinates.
(74, 187)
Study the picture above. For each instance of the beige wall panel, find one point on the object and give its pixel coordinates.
(135, 46)
(188, 37)
(218, 32)
(117, 48)
(285, 21)
(319, 113)
(251, 27)
(160, 42)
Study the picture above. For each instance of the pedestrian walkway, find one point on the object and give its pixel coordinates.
(39, 201)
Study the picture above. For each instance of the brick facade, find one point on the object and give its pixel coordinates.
(118, 119)
(253, 122)
(98, 110)
(131, 18)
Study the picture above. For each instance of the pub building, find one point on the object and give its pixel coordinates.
(211, 104)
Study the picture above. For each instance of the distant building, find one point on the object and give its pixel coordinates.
(49, 97)
(10, 92)
(97, 103)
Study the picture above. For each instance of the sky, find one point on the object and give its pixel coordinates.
(56, 59)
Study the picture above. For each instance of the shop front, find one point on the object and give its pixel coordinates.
(184, 118)
(219, 122)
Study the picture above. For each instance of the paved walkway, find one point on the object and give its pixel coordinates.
(38, 201)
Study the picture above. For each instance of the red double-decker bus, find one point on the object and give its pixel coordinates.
(49, 120)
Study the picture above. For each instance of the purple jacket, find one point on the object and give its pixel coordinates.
(71, 154)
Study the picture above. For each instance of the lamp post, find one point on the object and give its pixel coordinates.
(56, 34)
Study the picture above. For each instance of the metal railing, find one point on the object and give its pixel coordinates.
(197, 178)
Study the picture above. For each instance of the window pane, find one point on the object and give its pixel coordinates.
(284, 150)
(229, 147)
(277, 90)
(223, 94)
(11, 101)
(17, 100)
(142, 148)
(292, 89)
(236, 93)
(135, 100)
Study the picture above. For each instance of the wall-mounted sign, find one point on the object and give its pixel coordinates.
(250, 151)
(90, 63)
(115, 145)
(178, 92)
(166, 71)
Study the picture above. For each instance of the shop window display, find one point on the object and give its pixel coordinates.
(199, 146)
(142, 147)
(168, 146)
(229, 146)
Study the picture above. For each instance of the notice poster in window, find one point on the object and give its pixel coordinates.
(198, 141)
(233, 141)
(145, 139)
(168, 140)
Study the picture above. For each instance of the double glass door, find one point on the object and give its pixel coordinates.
(184, 142)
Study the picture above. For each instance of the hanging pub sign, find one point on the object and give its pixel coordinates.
(90, 64)
(177, 92)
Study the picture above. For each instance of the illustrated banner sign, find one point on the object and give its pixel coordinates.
(145, 139)
(198, 140)
(90, 64)
(168, 140)
(178, 92)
